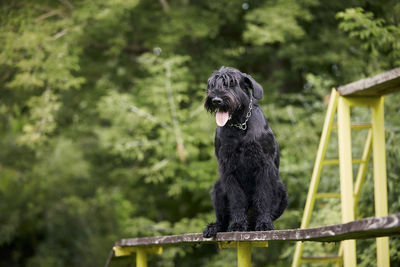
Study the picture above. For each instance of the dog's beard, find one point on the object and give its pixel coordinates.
(222, 112)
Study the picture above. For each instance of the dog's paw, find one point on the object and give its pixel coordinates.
(238, 227)
(264, 226)
(211, 230)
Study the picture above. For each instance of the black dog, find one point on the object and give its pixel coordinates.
(249, 192)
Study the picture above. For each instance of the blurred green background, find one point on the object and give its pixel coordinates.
(103, 134)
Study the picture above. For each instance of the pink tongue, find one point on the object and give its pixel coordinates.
(221, 118)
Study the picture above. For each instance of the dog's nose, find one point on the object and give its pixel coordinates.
(216, 101)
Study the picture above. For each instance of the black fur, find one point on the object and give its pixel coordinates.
(249, 193)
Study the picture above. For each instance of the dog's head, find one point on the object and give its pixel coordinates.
(228, 92)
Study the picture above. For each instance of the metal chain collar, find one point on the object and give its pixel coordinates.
(243, 126)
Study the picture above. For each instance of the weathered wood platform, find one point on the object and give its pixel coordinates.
(381, 84)
(360, 229)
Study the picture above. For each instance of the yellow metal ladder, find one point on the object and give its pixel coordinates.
(350, 193)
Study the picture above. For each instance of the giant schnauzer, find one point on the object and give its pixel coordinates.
(249, 192)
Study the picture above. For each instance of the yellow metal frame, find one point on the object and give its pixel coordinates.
(243, 250)
(350, 196)
(380, 179)
(346, 177)
(141, 253)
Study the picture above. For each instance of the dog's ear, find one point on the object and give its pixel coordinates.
(257, 89)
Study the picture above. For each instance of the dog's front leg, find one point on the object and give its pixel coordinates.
(220, 203)
(263, 197)
(262, 169)
(237, 205)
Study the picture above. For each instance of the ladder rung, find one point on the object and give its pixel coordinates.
(336, 161)
(330, 162)
(358, 161)
(327, 195)
(322, 259)
(355, 126)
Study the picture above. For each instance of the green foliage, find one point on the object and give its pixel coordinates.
(277, 22)
(103, 134)
(42, 122)
(377, 36)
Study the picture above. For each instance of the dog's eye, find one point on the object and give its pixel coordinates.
(231, 83)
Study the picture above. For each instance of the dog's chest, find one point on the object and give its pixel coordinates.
(238, 154)
(237, 158)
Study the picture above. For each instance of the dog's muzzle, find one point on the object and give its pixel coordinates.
(221, 117)
(217, 101)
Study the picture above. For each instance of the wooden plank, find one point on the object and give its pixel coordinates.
(360, 229)
(381, 84)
